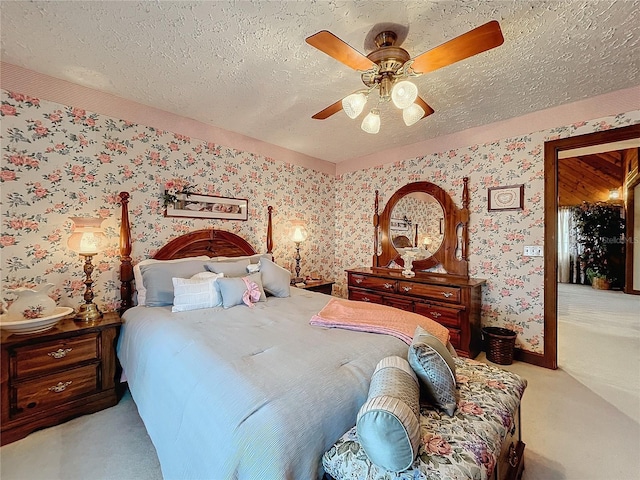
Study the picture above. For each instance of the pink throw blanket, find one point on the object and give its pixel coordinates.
(374, 318)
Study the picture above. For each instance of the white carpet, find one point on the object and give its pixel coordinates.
(580, 422)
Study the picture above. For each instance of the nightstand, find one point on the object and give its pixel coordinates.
(53, 376)
(323, 286)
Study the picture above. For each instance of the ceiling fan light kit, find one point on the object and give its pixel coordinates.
(412, 114)
(354, 104)
(371, 123)
(387, 68)
(403, 94)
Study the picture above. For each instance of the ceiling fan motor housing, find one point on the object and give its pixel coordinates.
(388, 59)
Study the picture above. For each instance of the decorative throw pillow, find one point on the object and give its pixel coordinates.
(253, 259)
(232, 289)
(199, 291)
(388, 424)
(436, 369)
(154, 285)
(229, 269)
(275, 279)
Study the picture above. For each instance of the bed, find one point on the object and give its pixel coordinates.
(242, 392)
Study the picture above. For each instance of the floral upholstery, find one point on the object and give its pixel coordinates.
(466, 445)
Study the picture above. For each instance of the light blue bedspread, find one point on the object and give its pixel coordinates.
(247, 393)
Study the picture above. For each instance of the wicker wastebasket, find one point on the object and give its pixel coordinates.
(499, 344)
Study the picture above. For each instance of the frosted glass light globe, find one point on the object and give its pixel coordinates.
(412, 114)
(371, 123)
(354, 104)
(403, 94)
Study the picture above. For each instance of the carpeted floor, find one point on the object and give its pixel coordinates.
(580, 422)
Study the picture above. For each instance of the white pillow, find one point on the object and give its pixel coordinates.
(199, 291)
(137, 274)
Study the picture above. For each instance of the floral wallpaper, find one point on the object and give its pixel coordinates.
(62, 161)
(513, 294)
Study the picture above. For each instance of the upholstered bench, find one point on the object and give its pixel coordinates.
(480, 441)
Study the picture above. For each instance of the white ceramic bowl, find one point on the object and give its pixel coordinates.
(34, 325)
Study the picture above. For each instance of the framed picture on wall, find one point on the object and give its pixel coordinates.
(399, 225)
(208, 206)
(506, 198)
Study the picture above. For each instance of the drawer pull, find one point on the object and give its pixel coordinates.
(447, 294)
(513, 456)
(358, 280)
(407, 289)
(435, 314)
(60, 387)
(366, 299)
(60, 353)
(388, 285)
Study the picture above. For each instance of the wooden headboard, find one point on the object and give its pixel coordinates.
(210, 242)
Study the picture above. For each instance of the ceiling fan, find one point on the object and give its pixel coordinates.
(388, 67)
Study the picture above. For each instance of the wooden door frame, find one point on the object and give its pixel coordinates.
(631, 183)
(549, 359)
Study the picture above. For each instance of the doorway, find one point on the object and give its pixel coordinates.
(552, 149)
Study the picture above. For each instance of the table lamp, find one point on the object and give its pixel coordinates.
(87, 238)
(298, 235)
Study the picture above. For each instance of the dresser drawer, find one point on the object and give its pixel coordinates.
(56, 389)
(364, 296)
(50, 356)
(363, 281)
(449, 317)
(435, 292)
(399, 303)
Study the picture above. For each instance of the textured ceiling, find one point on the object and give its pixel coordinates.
(244, 65)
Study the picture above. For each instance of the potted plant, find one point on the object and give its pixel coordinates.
(600, 230)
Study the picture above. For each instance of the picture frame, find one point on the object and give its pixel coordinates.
(208, 206)
(509, 197)
(398, 225)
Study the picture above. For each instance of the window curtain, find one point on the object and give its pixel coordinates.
(567, 248)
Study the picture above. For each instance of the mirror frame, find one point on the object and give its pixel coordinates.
(456, 232)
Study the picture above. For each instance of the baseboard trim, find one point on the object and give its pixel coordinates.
(532, 358)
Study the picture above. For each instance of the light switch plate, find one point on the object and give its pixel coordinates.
(532, 251)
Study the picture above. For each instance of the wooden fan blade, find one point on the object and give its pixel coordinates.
(427, 109)
(328, 43)
(330, 110)
(478, 40)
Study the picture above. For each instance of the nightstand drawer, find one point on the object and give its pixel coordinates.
(449, 317)
(364, 296)
(362, 281)
(52, 390)
(435, 292)
(54, 355)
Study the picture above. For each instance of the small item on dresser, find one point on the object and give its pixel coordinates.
(33, 311)
(31, 303)
(34, 325)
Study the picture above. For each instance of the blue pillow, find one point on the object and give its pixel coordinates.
(157, 279)
(229, 269)
(275, 279)
(388, 424)
(436, 369)
(232, 289)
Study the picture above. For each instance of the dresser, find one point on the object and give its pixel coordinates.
(53, 376)
(451, 301)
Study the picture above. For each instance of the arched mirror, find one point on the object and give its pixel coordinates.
(417, 220)
(423, 217)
